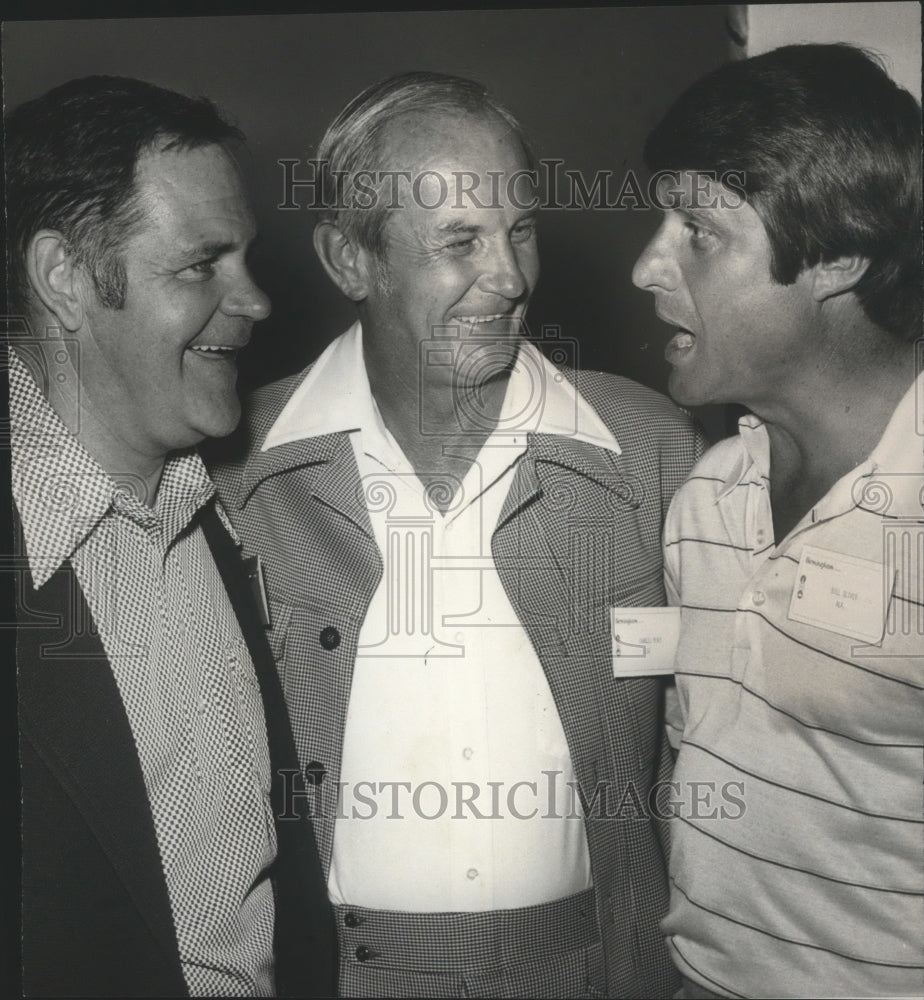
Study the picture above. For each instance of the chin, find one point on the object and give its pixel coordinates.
(484, 363)
(218, 424)
(685, 394)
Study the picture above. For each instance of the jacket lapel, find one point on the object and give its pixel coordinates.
(71, 711)
(303, 915)
(328, 471)
(568, 516)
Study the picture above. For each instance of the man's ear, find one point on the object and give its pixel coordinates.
(833, 277)
(350, 267)
(54, 279)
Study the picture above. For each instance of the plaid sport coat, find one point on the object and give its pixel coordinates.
(579, 533)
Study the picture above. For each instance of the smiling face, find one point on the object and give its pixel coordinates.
(741, 337)
(459, 273)
(161, 372)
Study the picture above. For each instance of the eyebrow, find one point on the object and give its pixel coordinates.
(705, 212)
(456, 226)
(208, 250)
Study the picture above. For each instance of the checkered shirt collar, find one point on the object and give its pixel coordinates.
(62, 493)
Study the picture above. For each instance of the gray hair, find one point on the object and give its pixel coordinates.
(354, 145)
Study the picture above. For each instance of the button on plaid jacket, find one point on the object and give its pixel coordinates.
(579, 533)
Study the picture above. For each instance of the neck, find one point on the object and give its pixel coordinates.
(829, 424)
(834, 417)
(432, 424)
(132, 467)
(423, 411)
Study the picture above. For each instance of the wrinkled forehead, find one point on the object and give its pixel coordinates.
(191, 185)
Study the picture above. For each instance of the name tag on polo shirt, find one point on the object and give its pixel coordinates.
(841, 593)
(644, 640)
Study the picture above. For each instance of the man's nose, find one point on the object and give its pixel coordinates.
(503, 274)
(656, 268)
(245, 298)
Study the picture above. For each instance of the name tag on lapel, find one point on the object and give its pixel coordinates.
(254, 570)
(841, 593)
(644, 640)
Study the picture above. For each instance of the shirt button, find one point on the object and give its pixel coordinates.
(363, 954)
(200, 706)
(352, 920)
(472, 874)
(468, 753)
(760, 535)
(759, 597)
(329, 637)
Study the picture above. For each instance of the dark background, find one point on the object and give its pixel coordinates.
(588, 84)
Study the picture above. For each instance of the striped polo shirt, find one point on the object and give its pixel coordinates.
(796, 865)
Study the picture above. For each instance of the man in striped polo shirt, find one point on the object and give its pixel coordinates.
(788, 262)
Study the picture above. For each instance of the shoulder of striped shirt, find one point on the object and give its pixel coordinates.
(716, 465)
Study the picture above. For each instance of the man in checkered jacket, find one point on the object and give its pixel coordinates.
(153, 734)
(447, 519)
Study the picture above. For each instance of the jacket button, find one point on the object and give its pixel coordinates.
(352, 920)
(314, 773)
(329, 637)
(363, 953)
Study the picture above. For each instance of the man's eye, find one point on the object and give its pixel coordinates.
(461, 246)
(698, 234)
(521, 234)
(201, 269)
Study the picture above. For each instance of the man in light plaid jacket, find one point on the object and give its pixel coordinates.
(447, 520)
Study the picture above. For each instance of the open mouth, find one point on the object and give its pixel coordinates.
(214, 351)
(679, 346)
(476, 320)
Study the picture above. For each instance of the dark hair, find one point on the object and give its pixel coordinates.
(830, 152)
(353, 144)
(71, 156)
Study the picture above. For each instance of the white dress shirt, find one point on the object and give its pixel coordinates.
(457, 787)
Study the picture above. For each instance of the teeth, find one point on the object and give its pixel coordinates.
(684, 339)
(482, 319)
(213, 348)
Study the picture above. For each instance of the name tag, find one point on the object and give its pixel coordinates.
(841, 593)
(644, 640)
(254, 569)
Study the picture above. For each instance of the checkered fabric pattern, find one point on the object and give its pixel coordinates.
(578, 534)
(553, 950)
(185, 677)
